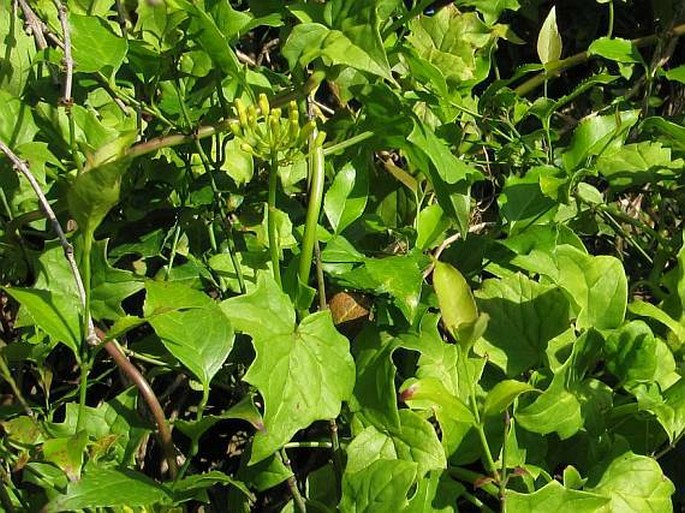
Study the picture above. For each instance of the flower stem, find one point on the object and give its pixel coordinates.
(317, 174)
(274, 250)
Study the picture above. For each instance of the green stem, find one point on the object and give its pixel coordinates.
(476, 479)
(503, 472)
(480, 429)
(72, 140)
(172, 256)
(271, 220)
(84, 359)
(610, 30)
(560, 66)
(308, 445)
(83, 389)
(300, 505)
(335, 148)
(317, 174)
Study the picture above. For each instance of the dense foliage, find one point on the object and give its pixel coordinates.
(342, 255)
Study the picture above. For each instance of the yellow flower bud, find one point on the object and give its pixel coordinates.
(264, 104)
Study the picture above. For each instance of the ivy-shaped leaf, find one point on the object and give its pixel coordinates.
(303, 372)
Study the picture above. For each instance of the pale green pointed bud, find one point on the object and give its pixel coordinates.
(306, 132)
(264, 104)
(276, 114)
(293, 131)
(293, 112)
(242, 113)
(275, 129)
(247, 148)
(235, 128)
(320, 138)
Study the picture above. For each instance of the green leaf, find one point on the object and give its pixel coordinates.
(55, 314)
(346, 198)
(205, 31)
(417, 441)
(400, 277)
(238, 164)
(103, 487)
(457, 43)
(450, 168)
(67, 453)
(94, 193)
(94, 45)
(676, 74)
(437, 493)
(523, 202)
(554, 497)
(635, 484)
(503, 394)
(374, 389)
(615, 49)
(382, 487)
(596, 284)
(631, 352)
(668, 408)
(19, 55)
(596, 134)
(191, 326)
(432, 392)
(303, 372)
(17, 124)
(188, 487)
(674, 131)
(431, 225)
(109, 285)
(638, 163)
(309, 41)
(524, 317)
(555, 411)
(549, 40)
(644, 309)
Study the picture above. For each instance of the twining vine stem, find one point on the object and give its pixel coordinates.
(579, 58)
(92, 337)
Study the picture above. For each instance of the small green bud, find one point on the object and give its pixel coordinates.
(320, 138)
(306, 132)
(293, 112)
(247, 148)
(275, 129)
(293, 131)
(235, 128)
(242, 114)
(276, 114)
(264, 104)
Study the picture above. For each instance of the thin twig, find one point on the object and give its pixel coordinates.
(34, 24)
(93, 339)
(245, 59)
(68, 59)
(121, 17)
(203, 132)
(115, 352)
(23, 168)
(448, 241)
